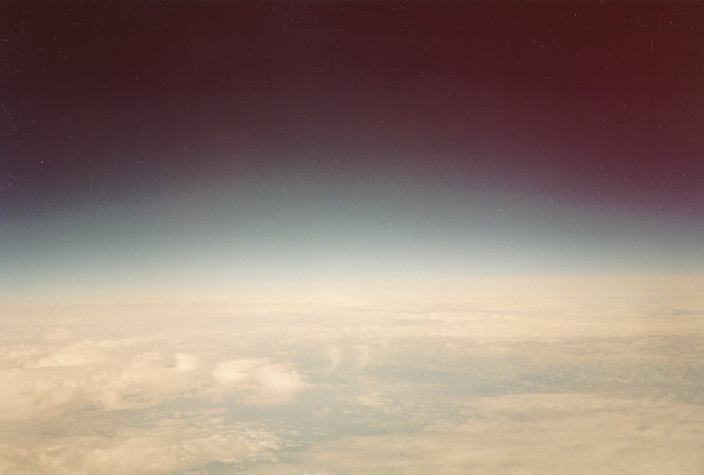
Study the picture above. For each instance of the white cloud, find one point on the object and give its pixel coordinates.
(107, 394)
(81, 354)
(57, 334)
(234, 371)
(260, 381)
(26, 394)
(40, 378)
(333, 354)
(362, 356)
(185, 362)
(372, 399)
(529, 434)
(279, 378)
(184, 443)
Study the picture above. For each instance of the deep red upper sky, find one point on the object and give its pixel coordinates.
(105, 101)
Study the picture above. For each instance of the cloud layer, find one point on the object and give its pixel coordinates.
(545, 386)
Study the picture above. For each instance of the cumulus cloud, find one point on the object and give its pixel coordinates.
(37, 380)
(261, 381)
(343, 356)
(110, 403)
(81, 354)
(185, 362)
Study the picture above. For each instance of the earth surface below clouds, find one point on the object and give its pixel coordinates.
(533, 386)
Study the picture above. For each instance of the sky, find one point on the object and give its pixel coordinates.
(184, 145)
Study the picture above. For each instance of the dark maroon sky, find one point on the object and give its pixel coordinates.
(603, 97)
(104, 103)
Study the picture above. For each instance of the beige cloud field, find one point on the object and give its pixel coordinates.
(568, 376)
